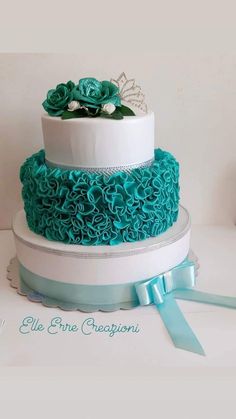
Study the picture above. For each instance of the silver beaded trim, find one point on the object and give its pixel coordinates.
(102, 170)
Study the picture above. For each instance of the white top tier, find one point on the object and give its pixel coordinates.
(98, 142)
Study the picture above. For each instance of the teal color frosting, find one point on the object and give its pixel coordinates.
(74, 206)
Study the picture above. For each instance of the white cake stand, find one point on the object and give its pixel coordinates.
(92, 269)
(102, 265)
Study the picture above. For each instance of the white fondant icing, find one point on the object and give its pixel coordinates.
(98, 142)
(102, 265)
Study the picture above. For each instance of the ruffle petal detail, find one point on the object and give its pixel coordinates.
(79, 207)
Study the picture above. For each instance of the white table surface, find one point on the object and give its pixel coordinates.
(146, 351)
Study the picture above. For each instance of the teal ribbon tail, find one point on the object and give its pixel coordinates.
(162, 291)
(205, 298)
(177, 327)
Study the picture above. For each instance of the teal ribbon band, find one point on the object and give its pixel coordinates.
(161, 291)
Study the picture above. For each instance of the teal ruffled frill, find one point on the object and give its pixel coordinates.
(74, 206)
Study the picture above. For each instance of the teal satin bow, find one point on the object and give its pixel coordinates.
(162, 291)
(155, 289)
(177, 284)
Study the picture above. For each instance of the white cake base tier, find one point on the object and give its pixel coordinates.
(102, 265)
(99, 143)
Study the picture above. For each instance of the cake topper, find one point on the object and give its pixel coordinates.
(93, 98)
(130, 92)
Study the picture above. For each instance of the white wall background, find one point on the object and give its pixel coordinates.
(184, 59)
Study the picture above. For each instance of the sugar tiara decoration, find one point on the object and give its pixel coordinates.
(130, 92)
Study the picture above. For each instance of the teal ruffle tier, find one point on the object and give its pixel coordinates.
(79, 207)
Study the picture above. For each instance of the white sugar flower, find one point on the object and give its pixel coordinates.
(73, 105)
(108, 108)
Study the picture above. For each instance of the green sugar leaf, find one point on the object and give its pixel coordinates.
(115, 115)
(80, 113)
(126, 111)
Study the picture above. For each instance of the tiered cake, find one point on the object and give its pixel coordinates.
(101, 205)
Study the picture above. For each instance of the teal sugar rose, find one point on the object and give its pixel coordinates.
(93, 93)
(89, 98)
(59, 98)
